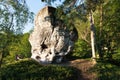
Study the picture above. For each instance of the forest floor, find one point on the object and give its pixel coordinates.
(84, 66)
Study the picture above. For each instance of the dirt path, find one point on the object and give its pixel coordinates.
(84, 66)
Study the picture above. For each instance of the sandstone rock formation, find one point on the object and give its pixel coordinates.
(50, 40)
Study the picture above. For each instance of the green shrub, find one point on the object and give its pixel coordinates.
(107, 71)
(115, 59)
(82, 49)
(32, 70)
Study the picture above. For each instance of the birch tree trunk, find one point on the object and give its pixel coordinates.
(92, 34)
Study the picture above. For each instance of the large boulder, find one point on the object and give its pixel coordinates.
(50, 39)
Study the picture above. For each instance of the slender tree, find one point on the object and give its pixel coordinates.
(92, 33)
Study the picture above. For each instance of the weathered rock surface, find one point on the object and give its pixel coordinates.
(50, 40)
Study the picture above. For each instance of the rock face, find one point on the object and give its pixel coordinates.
(50, 40)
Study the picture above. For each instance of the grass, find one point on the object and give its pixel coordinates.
(29, 69)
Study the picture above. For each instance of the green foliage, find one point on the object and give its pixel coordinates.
(107, 34)
(24, 47)
(29, 69)
(92, 4)
(106, 71)
(116, 59)
(14, 15)
(82, 49)
(19, 46)
(67, 19)
(5, 42)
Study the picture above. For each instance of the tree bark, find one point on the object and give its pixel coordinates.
(92, 34)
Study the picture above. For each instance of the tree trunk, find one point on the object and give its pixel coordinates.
(92, 34)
